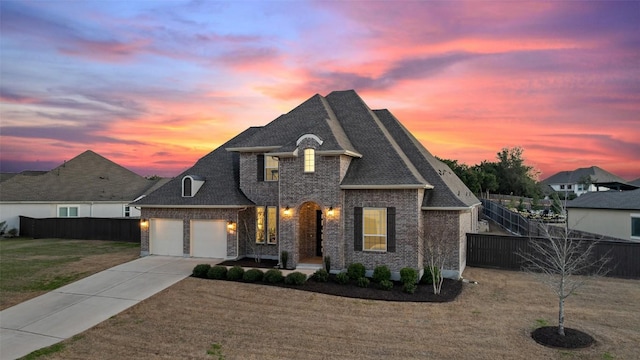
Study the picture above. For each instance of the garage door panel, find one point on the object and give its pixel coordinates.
(209, 238)
(165, 237)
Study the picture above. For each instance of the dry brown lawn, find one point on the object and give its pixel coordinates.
(490, 320)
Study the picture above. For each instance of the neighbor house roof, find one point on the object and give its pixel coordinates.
(594, 173)
(87, 177)
(614, 200)
(220, 171)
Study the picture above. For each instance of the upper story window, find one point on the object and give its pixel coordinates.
(561, 187)
(67, 211)
(569, 186)
(127, 211)
(270, 168)
(309, 160)
(191, 184)
(186, 186)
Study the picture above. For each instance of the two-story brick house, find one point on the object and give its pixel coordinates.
(330, 178)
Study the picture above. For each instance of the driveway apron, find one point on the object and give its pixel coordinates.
(74, 308)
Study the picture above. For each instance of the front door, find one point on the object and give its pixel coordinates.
(318, 232)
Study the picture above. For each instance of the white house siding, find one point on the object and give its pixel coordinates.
(614, 223)
(11, 212)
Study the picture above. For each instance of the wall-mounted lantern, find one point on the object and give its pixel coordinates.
(231, 227)
(287, 211)
(330, 212)
(144, 224)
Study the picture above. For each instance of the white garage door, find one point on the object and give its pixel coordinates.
(209, 238)
(165, 237)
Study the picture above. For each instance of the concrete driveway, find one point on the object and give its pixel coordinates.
(74, 308)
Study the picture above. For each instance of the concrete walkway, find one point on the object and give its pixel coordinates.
(74, 308)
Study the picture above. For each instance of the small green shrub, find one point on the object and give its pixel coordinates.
(409, 287)
(284, 258)
(321, 275)
(218, 272)
(342, 278)
(252, 275)
(386, 285)
(201, 270)
(427, 278)
(235, 273)
(295, 278)
(381, 273)
(408, 275)
(356, 271)
(273, 276)
(327, 263)
(363, 282)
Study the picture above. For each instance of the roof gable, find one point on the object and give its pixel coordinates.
(87, 177)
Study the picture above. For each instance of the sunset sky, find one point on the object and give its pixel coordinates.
(155, 85)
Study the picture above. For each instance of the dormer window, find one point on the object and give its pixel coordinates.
(191, 184)
(309, 160)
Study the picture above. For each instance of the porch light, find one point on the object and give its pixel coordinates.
(287, 211)
(144, 224)
(330, 212)
(231, 226)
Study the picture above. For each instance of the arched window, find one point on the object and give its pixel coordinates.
(309, 160)
(186, 186)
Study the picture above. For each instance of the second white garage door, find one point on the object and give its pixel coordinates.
(165, 237)
(209, 238)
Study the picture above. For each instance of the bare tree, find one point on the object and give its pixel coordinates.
(562, 262)
(251, 243)
(436, 253)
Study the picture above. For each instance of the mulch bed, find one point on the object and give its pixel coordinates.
(572, 339)
(424, 293)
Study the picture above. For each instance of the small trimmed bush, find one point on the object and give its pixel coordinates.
(321, 275)
(273, 276)
(381, 273)
(386, 285)
(409, 288)
(428, 271)
(355, 271)
(284, 258)
(408, 276)
(252, 275)
(362, 282)
(342, 278)
(201, 270)
(295, 278)
(235, 273)
(327, 263)
(218, 272)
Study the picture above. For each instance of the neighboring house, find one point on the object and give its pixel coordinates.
(86, 186)
(331, 178)
(635, 182)
(611, 213)
(583, 180)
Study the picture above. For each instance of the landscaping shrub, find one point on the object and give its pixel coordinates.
(218, 272)
(321, 275)
(408, 276)
(235, 273)
(409, 287)
(355, 271)
(362, 282)
(327, 263)
(284, 258)
(342, 278)
(386, 285)
(381, 273)
(252, 275)
(273, 276)
(201, 270)
(427, 278)
(295, 278)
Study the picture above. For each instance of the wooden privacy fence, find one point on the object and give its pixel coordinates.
(88, 228)
(497, 251)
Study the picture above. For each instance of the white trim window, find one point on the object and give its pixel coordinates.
(127, 211)
(374, 229)
(68, 211)
(270, 168)
(260, 224)
(272, 221)
(635, 226)
(309, 160)
(266, 224)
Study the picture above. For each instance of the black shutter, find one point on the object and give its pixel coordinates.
(357, 229)
(391, 229)
(260, 168)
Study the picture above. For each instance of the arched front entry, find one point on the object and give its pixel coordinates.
(310, 232)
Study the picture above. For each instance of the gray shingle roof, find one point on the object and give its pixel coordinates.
(220, 171)
(595, 173)
(87, 177)
(617, 200)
